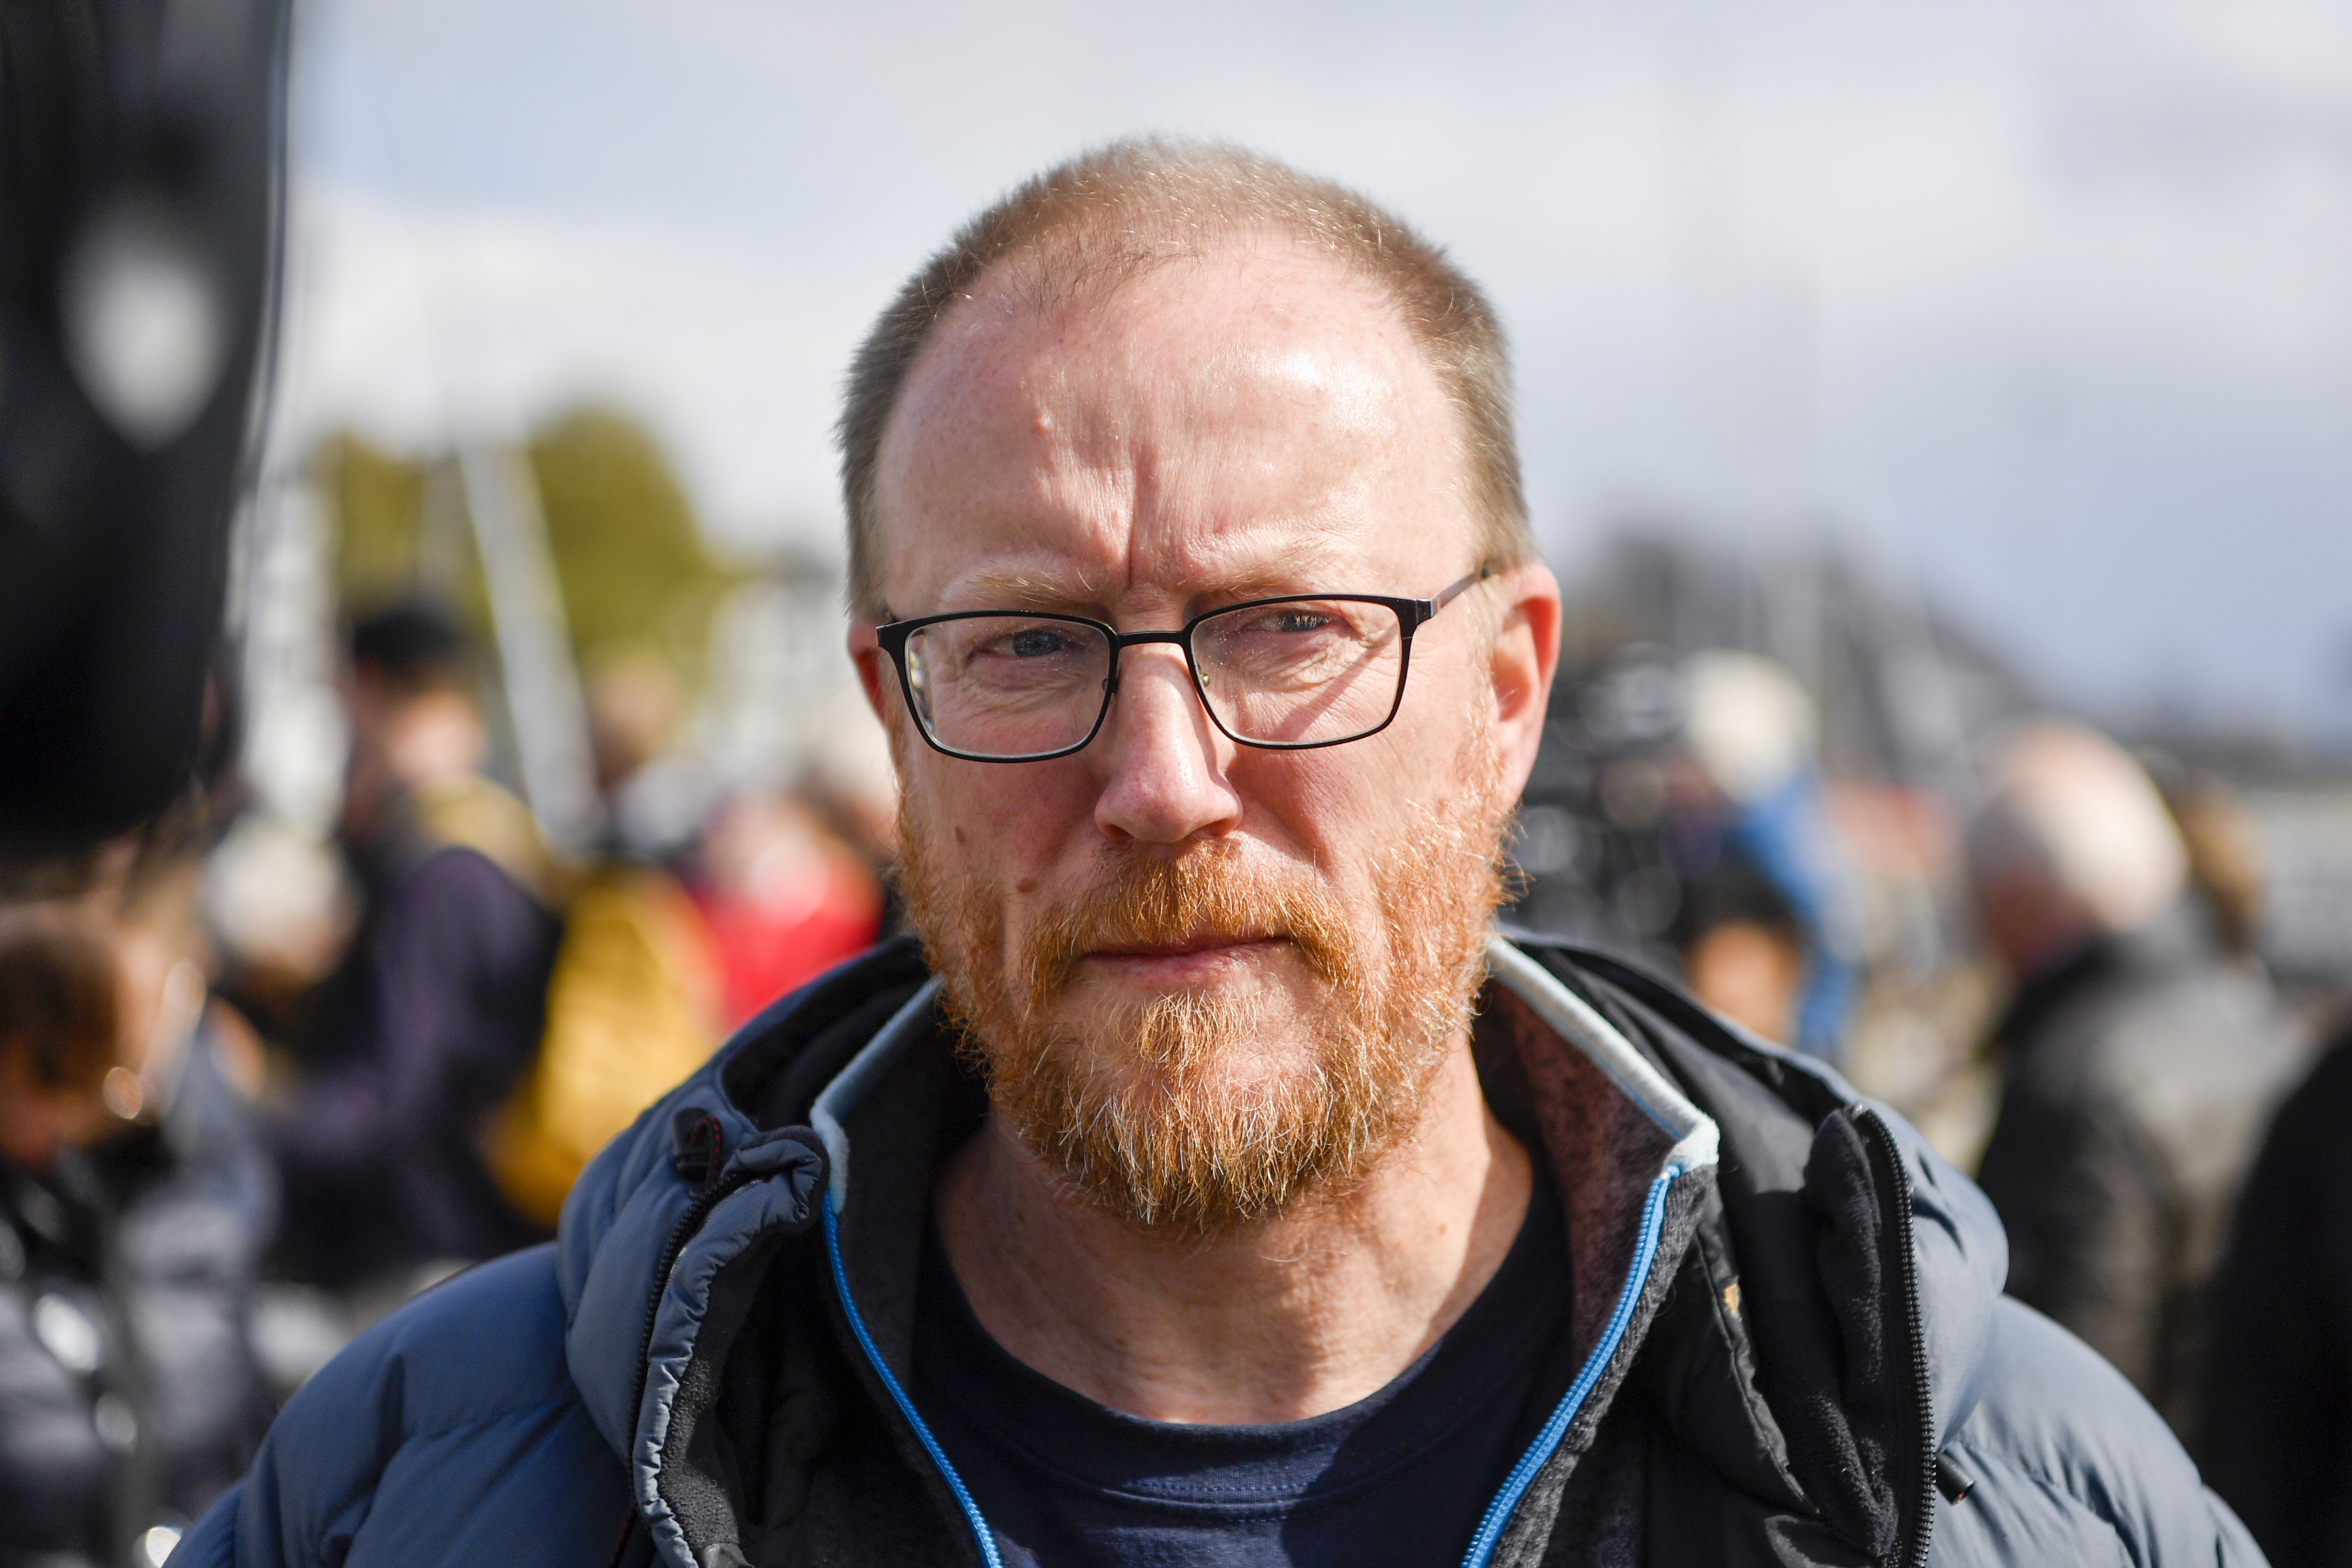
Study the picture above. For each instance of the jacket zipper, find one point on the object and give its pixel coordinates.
(1498, 1511)
(1924, 1498)
(628, 1531)
(983, 1537)
(1523, 1474)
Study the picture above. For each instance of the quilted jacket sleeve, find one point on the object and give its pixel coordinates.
(449, 1433)
(2071, 1465)
(212, 1543)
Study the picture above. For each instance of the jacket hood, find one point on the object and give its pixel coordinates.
(710, 1182)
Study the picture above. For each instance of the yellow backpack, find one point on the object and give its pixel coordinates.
(633, 1004)
(632, 1008)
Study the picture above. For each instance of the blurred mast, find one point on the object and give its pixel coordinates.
(534, 638)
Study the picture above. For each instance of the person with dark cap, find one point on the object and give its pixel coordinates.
(435, 1013)
(1743, 947)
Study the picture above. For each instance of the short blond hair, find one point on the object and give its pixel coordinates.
(1123, 209)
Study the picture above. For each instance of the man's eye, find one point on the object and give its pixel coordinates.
(1295, 623)
(1034, 642)
(1296, 620)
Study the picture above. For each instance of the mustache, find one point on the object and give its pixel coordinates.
(1204, 897)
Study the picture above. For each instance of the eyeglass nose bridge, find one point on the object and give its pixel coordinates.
(1121, 641)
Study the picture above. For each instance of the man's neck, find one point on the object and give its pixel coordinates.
(1289, 1318)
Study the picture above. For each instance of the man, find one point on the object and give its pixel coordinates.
(2140, 1061)
(1210, 1188)
(436, 1011)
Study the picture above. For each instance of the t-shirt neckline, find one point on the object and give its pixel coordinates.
(1488, 1352)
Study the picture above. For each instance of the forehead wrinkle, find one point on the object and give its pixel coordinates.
(1271, 555)
(1200, 504)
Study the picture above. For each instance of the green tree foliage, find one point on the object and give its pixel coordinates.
(635, 576)
(375, 504)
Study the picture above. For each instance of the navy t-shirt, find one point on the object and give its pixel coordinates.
(1401, 1476)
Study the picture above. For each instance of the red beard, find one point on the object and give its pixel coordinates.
(1176, 1111)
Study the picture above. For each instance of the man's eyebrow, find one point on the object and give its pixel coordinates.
(1022, 590)
(1306, 572)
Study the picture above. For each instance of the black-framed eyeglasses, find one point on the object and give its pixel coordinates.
(1289, 673)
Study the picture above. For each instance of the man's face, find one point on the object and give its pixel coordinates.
(404, 740)
(1208, 979)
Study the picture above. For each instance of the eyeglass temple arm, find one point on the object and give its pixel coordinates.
(1446, 596)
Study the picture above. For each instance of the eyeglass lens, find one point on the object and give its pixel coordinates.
(1299, 671)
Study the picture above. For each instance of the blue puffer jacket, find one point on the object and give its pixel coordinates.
(1789, 1343)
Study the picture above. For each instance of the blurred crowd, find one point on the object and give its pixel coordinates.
(252, 1097)
(2154, 1119)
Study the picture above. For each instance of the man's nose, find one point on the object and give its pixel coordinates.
(1162, 762)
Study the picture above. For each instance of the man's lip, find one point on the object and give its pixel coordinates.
(1185, 948)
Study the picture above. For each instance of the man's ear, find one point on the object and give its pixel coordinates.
(873, 668)
(1525, 657)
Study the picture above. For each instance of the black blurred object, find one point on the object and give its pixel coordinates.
(1734, 890)
(1598, 839)
(2278, 1415)
(140, 178)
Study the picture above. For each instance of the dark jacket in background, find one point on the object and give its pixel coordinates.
(431, 1021)
(2137, 1079)
(2279, 1423)
(129, 1394)
(1786, 1344)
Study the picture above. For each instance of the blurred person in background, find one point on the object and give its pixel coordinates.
(1660, 787)
(435, 1013)
(2278, 1415)
(785, 898)
(637, 706)
(2141, 1057)
(1743, 948)
(634, 1000)
(135, 1199)
(854, 787)
(1752, 728)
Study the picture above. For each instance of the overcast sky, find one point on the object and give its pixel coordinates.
(2046, 305)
